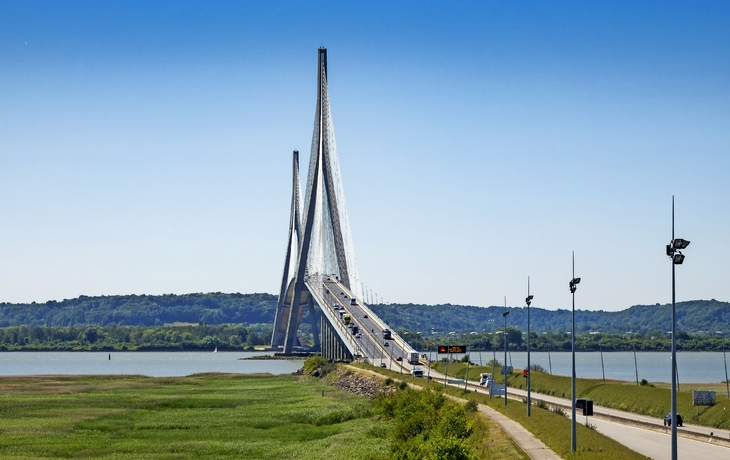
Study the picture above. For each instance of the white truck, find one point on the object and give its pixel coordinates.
(485, 380)
(413, 358)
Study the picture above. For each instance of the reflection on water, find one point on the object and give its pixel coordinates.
(153, 364)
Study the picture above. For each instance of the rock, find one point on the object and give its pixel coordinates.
(360, 385)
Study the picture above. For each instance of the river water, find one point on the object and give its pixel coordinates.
(696, 367)
(152, 364)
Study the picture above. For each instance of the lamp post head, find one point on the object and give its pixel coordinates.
(674, 250)
(679, 243)
(573, 284)
(528, 300)
(505, 314)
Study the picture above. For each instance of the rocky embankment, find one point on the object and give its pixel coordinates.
(358, 384)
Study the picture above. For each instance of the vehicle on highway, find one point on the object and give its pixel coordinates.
(485, 380)
(386, 344)
(366, 316)
(358, 335)
(417, 372)
(668, 420)
(355, 330)
(413, 358)
(382, 365)
(387, 335)
(346, 319)
(399, 358)
(353, 301)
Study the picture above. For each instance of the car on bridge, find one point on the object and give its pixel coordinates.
(386, 344)
(668, 420)
(399, 358)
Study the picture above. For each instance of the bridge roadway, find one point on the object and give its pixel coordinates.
(369, 341)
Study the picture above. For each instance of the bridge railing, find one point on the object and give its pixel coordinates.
(316, 288)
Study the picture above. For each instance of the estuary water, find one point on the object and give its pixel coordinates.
(695, 367)
(149, 363)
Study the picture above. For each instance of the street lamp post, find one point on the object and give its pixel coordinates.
(675, 254)
(504, 367)
(573, 286)
(528, 301)
(727, 384)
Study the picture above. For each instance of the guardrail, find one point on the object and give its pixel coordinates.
(346, 337)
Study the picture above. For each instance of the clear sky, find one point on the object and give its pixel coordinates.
(145, 147)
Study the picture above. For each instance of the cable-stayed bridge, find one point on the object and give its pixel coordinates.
(320, 272)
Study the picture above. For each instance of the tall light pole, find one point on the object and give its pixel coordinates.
(675, 254)
(528, 301)
(727, 384)
(573, 286)
(504, 367)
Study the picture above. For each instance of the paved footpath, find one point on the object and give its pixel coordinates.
(533, 447)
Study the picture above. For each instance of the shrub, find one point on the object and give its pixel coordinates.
(542, 405)
(471, 406)
(313, 363)
(538, 368)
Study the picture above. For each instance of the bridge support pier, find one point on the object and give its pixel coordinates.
(333, 348)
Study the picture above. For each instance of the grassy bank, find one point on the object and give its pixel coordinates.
(204, 416)
(641, 399)
(551, 428)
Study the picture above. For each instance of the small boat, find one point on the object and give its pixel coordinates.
(216, 349)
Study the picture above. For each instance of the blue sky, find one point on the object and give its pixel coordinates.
(145, 147)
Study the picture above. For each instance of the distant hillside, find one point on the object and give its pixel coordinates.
(143, 310)
(694, 317)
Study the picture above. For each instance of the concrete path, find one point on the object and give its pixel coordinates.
(533, 447)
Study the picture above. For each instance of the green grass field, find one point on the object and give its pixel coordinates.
(647, 400)
(203, 416)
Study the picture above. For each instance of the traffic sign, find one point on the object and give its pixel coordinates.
(452, 349)
(703, 398)
(496, 390)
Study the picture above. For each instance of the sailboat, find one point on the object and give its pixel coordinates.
(216, 349)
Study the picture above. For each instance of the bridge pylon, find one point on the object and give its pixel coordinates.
(319, 235)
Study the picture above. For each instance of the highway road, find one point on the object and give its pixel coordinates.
(654, 443)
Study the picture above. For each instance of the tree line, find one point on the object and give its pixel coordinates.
(517, 341)
(143, 310)
(697, 317)
(131, 338)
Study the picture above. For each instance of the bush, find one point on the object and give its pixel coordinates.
(471, 406)
(542, 405)
(538, 368)
(313, 363)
